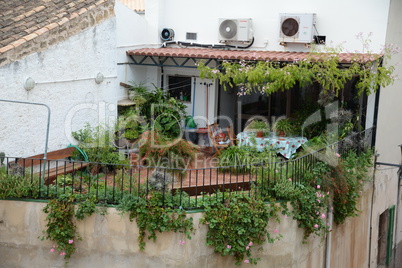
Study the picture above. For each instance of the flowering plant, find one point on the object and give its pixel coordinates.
(238, 226)
(60, 225)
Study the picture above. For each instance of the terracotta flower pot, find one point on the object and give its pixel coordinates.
(260, 134)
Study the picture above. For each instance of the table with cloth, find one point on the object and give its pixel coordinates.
(285, 146)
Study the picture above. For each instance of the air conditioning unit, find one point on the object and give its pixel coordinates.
(297, 28)
(167, 34)
(231, 30)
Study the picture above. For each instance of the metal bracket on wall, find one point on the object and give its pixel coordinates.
(170, 61)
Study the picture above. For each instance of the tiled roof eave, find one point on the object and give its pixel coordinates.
(247, 55)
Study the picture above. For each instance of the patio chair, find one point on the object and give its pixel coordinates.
(231, 134)
(215, 135)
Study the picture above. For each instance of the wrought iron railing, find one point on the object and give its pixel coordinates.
(186, 188)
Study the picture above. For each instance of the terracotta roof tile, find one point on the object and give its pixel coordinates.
(136, 5)
(221, 54)
(19, 19)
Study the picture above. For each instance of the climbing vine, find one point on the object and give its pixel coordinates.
(323, 66)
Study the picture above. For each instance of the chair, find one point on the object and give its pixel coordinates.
(213, 132)
(231, 134)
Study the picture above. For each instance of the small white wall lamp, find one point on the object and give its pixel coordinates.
(99, 78)
(29, 84)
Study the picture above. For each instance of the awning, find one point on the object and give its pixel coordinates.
(189, 57)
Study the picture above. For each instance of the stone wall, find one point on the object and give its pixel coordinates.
(111, 241)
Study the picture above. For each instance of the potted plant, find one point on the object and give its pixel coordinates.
(283, 127)
(137, 92)
(258, 126)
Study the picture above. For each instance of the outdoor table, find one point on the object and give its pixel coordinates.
(285, 146)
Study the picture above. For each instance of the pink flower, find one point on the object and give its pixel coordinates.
(52, 250)
(338, 155)
(250, 244)
(318, 200)
(290, 179)
(318, 186)
(62, 253)
(229, 246)
(246, 261)
(247, 248)
(276, 231)
(70, 241)
(182, 242)
(323, 215)
(317, 213)
(315, 225)
(360, 192)
(285, 216)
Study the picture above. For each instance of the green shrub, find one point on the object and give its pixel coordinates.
(18, 186)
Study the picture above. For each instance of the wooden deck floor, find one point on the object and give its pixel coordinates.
(204, 176)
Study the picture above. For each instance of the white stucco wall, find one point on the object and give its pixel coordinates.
(131, 31)
(339, 21)
(65, 81)
(388, 140)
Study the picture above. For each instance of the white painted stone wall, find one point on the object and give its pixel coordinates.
(65, 81)
(111, 241)
(388, 140)
(339, 21)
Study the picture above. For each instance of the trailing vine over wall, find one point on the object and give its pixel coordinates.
(60, 227)
(153, 216)
(238, 226)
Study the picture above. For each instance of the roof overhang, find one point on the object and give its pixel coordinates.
(189, 57)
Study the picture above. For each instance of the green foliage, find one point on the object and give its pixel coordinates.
(346, 181)
(320, 66)
(18, 185)
(238, 226)
(309, 209)
(240, 160)
(162, 112)
(98, 144)
(86, 206)
(284, 125)
(60, 227)
(130, 125)
(256, 125)
(152, 216)
(160, 151)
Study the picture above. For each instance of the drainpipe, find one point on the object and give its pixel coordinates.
(371, 209)
(47, 130)
(329, 237)
(397, 209)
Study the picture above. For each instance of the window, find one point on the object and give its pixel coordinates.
(180, 87)
(385, 237)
